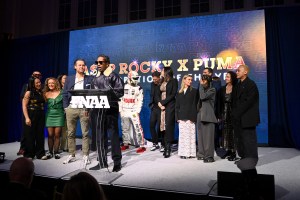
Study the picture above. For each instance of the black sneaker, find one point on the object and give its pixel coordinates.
(49, 155)
(21, 152)
(97, 167)
(117, 168)
(57, 156)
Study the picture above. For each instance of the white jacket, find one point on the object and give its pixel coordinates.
(132, 101)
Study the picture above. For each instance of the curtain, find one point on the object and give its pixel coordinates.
(47, 54)
(283, 49)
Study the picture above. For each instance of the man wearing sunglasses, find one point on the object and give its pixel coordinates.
(38, 75)
(106, 120)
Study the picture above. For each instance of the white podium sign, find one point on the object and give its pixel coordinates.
(89, 102)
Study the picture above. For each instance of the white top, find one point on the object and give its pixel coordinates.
(78, 84)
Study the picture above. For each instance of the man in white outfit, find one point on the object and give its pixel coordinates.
(130, 107)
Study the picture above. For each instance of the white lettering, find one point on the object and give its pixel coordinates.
(89, 102)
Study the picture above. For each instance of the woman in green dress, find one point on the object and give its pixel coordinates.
(55, 118)
(64, 132)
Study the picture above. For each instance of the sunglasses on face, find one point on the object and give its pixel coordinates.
(100, 62)
(136, 78)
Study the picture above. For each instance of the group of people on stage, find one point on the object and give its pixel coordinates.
(234, 107)
(34, 96)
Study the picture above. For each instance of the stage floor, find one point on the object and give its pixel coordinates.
(150, 170)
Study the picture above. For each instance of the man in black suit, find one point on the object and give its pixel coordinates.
(245, 116)
(155, 97)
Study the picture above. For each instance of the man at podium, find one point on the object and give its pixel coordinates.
(107, 79)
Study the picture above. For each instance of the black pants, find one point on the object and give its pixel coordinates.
(104, 122)
(246, 141)
(34, 134)
(156, 134)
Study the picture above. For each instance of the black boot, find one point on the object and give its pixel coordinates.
(167, 152)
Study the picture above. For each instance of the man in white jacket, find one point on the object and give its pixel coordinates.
(130, 107)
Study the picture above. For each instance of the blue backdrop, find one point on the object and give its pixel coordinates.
(221, 42)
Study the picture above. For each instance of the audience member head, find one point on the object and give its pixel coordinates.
(83, 186)
(21, 171)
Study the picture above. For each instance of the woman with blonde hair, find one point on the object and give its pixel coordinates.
(55, 116)
(186, 116)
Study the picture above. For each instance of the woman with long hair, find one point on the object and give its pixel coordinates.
(226, 116)
(34, 122)
(169, 87)
(55, 116)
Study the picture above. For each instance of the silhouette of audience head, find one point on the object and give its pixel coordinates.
(83, 186)
(22, 171)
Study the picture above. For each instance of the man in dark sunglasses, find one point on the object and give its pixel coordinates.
(107, 79)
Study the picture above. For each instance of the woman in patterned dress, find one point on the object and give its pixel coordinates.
(186, 116)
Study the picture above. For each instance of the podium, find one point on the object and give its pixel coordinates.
(98, 102)
(90, 92)
(90, 98)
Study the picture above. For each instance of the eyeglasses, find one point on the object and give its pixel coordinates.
(135, 78)
(100, 62)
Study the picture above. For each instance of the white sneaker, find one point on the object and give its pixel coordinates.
(69, 159)
(154, 147)
(162, 149)
(43, 158)
(86, 160)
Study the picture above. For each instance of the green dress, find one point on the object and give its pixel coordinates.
(55, 115)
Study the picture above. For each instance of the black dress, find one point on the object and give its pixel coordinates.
(227, 131)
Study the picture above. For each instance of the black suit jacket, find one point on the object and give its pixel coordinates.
(155, 96)
(245, 108)
(69, 85)
(186, 105)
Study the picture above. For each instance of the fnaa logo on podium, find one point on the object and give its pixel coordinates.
(89, 102)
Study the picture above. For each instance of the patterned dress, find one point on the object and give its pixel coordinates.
(163, 112)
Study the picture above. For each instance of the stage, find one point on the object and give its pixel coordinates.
(151, 171)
